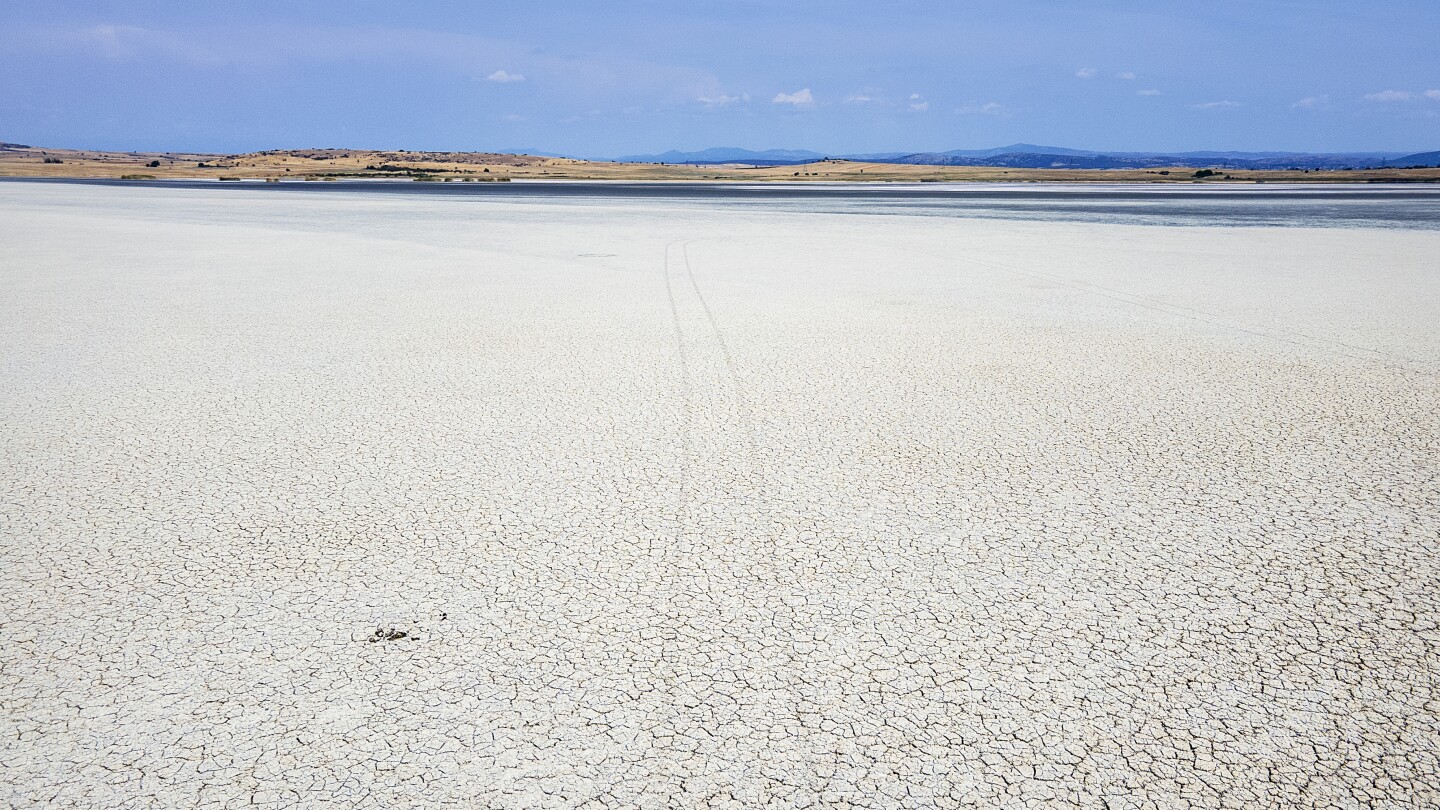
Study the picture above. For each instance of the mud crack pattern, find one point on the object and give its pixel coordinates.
(366, 501)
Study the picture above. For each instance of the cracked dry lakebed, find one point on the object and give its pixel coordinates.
(382, 497)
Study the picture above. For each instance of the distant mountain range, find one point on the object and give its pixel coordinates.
(728, 154)
(1418, 159)
(1032, 156)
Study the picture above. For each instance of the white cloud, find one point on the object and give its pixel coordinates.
(918, 103)
(722, 99)
(1433, 95)
(1312, 103)
(504, 77)
(858, 98)
(1125, 74)
(512, 118)
(799, 98)
(1150, 92)
(1216, 105)
(1087, 73)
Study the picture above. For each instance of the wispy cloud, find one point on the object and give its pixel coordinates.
(1312, 103)
(1125, 74)
(504, 77)
(614, 78)
(918, 103)
(1403, 95)
(117, 43)
(799, 98)
(1087, 73)
(988, 108)
(722, 100)
(1216, 105)
(512, 118)
(859, 98)
(1149, 92)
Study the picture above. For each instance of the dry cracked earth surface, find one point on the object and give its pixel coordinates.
(385, 501)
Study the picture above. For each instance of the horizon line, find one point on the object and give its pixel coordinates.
(540, 152)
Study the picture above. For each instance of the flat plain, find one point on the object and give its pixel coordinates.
(393, 500)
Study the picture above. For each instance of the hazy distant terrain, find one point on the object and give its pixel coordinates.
(1032, 156)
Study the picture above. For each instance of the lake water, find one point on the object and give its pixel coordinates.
(1287, 205)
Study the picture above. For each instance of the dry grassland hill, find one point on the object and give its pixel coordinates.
(18, 160)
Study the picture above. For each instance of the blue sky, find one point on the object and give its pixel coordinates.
(598, 79)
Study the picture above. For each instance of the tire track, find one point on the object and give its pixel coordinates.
(687, 399)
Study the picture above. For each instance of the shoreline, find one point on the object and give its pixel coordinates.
(1406, 177)
(1392, 206)
(1151, 190)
